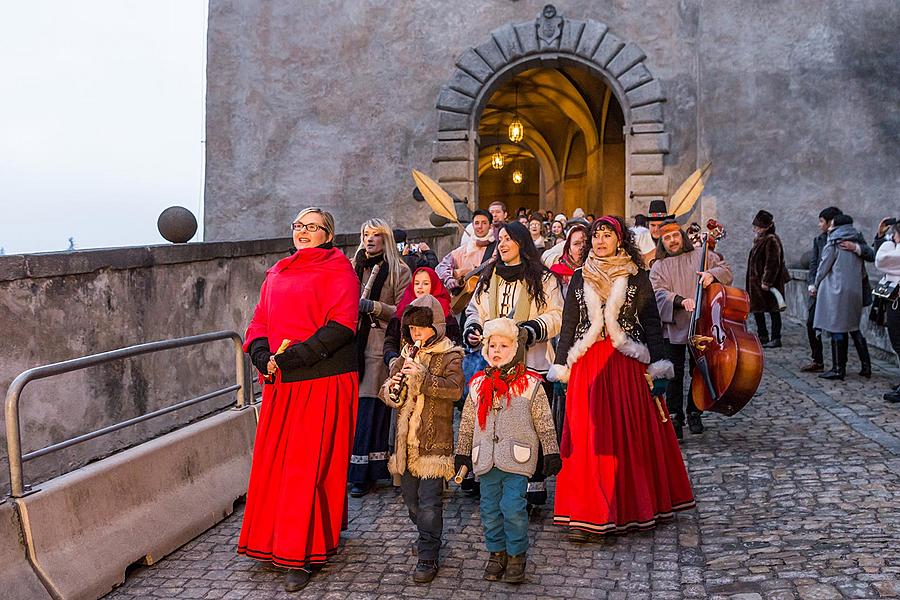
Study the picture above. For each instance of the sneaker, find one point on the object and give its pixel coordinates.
(812, 367)
(695, 425)
(296, 579)
(425, 572)
(515, 569)
(496, 565)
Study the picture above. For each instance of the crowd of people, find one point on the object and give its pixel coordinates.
(556, 338)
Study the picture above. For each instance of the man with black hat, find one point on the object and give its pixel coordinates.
(674, 278)
(657, 214)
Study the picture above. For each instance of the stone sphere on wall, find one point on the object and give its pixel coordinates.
(177, 224)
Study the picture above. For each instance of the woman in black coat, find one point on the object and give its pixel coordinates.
(766, 271)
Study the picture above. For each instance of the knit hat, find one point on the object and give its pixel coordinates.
(763, 219)
(578, 213)
(506, 328)
(561, 218)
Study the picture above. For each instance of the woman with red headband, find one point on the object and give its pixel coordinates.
(622, 467)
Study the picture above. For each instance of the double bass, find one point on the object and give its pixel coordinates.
(728, 359)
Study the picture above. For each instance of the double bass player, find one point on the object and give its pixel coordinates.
(674, 276)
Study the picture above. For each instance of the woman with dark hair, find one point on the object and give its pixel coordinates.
(297, 497)
(573, 255)
(622, 467)
(519, 287)
(766, 271)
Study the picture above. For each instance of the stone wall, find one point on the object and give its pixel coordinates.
(59, 306)
(334, 103)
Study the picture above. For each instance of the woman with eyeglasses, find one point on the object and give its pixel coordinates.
(621, 465)
(302, 342)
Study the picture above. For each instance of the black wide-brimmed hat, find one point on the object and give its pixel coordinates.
(658, 211)
(763, 219)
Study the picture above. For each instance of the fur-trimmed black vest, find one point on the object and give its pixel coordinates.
(630, 318)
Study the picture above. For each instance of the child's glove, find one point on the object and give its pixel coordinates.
(659, 387)
(552, 464)
(462, 460)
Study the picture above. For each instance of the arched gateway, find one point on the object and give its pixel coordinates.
(555, 42)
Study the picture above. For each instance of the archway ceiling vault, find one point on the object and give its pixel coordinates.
(495, 122)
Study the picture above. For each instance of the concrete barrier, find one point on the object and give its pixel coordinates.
(85, 528)
(17, 579)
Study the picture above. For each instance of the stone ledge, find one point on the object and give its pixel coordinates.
(58, 264)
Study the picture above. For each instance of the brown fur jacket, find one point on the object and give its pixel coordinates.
(424, 439)
(765, 266)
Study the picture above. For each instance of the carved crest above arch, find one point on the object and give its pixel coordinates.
(554, 39)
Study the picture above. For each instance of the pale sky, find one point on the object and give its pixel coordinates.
(101, 120)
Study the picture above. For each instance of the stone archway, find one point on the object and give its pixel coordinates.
(553, 40)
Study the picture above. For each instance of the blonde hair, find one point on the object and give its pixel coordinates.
(391, 254)
(327, 219)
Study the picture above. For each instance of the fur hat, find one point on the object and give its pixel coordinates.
(508, 329)
(763, 219)
(424, 312)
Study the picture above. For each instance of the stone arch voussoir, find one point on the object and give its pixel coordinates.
(552, 39)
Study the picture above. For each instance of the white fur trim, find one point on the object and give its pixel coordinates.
(558, 373)
(661, 369)
(608, 316)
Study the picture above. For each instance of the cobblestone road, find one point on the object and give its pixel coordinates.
(798, 497)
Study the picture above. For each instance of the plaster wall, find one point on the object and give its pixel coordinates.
(333, 103)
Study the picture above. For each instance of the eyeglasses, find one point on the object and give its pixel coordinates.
(310, 227)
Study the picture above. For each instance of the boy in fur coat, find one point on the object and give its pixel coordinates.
(505, 417)
(423, 450)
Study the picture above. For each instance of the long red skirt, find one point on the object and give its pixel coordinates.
(297, 498)
(622, 467)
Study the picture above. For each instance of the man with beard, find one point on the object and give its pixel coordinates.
(473, 251)
(674, 278)
(656, 216)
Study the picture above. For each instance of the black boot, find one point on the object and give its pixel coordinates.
(836, 372)
(862, 348)
(296, 579)
(425, 571)
(694, 423)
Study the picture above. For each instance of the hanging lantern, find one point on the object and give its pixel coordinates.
(517, 176)
(497, 159)
(516, 130)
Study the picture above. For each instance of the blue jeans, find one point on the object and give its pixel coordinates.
(503, 513)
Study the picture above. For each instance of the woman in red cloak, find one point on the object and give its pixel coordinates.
(297, 498)
(622, 467)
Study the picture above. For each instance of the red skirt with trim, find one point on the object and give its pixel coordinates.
(622, 466)
(297, 497)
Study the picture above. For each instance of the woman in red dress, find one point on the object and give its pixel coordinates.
(622, 467)
(297, 498)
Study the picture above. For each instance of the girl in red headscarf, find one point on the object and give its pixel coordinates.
(622, 467)
(297, 497)
(425, 281)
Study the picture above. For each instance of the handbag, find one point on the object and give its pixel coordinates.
(887, 290)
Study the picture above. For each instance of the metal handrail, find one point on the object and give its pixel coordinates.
(13, 429)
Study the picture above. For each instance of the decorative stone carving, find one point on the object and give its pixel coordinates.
(549, 28)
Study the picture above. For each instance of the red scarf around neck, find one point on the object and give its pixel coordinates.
(499, 384)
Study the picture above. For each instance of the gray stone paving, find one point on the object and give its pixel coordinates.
(797, 495)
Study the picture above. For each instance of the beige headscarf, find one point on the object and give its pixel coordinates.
(600, 272)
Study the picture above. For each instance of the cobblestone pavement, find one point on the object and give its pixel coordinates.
(798, 497)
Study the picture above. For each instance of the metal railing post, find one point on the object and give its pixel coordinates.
(241, 376)
(14, 436)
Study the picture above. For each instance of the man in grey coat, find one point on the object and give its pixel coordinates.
(838, 289)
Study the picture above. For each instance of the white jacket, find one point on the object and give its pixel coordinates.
(887, 260)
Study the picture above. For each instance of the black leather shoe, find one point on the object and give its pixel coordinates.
(892, 397)
(496, 565)
(695, 425)
(515, 569)
(866, 371)
(812, 367)
(773, 343)
(833, 375)
(425, 572)
(358, 490)
(296, 579)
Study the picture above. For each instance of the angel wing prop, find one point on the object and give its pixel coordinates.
(685, 197)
